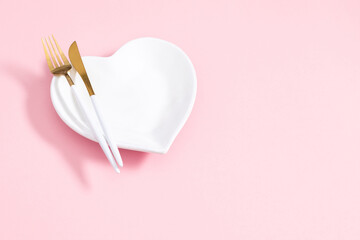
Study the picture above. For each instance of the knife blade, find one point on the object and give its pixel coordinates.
(76, 61)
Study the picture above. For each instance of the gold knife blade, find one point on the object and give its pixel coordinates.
(76, 61)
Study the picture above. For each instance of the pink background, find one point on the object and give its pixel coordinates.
(270, 151)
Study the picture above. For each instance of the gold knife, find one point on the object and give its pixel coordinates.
(76, 61)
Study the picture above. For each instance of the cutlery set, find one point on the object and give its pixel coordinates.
(59, 65)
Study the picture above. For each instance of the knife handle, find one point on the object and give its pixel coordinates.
(107, 133)
(95, 128)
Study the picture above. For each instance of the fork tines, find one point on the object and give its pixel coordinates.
(52, 61)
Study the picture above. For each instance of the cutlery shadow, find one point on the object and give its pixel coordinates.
(75, 149)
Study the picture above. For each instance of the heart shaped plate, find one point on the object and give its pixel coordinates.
(146, 91)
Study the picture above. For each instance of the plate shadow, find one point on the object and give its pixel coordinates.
(75, 149)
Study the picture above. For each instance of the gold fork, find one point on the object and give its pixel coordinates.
(59, 65)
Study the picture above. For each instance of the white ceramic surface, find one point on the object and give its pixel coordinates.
(146, 91)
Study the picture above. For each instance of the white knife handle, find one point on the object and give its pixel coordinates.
(107, 133)
(95, 128)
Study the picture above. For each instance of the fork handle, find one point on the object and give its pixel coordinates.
(94, 126)
(68, 78)
(107, 133)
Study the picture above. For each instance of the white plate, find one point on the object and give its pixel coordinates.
(146, 91)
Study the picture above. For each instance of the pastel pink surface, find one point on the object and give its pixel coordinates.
(270, 151)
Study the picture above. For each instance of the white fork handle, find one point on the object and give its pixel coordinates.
(107, 133)
(95, 128)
